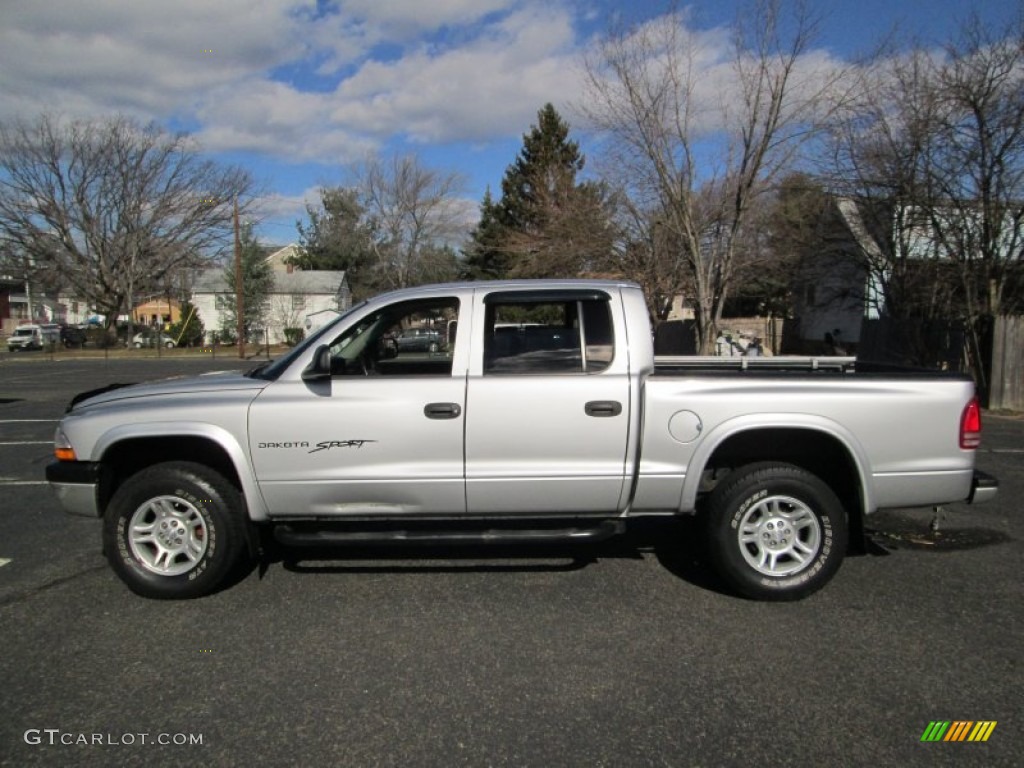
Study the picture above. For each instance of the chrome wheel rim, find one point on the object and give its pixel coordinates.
(779, 536)
(168, 536)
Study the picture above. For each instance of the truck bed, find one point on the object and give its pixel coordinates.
(894, 429)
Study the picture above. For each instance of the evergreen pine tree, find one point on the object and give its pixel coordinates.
(485, 256)
(543, 175)
(548, 224)
(338, 237)
(257, 283)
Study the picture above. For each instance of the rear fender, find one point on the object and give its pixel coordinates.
(714, 439)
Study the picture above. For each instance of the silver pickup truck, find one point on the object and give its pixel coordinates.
(538, 413)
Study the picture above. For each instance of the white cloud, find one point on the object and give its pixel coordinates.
(347, 32)
(491, 86)
(699, 66)
(280, 77)
(277, 205)
(303, 83)
(416, 15)
(140, 58)
(277, 119)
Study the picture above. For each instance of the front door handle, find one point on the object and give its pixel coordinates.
(603, 408)
(442, 410)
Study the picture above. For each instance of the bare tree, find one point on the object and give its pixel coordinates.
(415, 216)
(283, 313)
(933, 154)
(698, 144)
(882, 144)
(977, 203)
(112, 206)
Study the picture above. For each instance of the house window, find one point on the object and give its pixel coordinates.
(298, 301)
(809, 295)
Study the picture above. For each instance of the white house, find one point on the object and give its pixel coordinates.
(295, 295)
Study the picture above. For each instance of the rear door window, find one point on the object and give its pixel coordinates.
(532, 335)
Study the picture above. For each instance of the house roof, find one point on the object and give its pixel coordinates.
(280, 256)
(314, 281)
(851, 214)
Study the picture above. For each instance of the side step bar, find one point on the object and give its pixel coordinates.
(328, 536)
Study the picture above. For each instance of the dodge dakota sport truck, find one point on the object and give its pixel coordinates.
(538, 413)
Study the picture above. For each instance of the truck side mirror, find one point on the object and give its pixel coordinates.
(319, 367)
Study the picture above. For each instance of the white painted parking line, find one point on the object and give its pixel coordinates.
(12, 481)
(31, 442)
(4, 561)
(29, 421)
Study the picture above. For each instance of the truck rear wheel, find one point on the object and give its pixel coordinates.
(775, 531)
(175, 530)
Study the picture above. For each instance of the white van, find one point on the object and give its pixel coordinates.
(33, 337)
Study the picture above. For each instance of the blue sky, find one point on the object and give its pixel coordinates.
(298, 90)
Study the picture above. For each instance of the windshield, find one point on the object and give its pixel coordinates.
(24, 332)
(270, 371)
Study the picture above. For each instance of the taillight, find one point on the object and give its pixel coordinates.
(970, 425)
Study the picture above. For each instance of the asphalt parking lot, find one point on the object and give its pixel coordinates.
(621, 654)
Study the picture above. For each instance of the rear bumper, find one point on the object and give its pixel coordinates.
(75, 484)
(983, 487)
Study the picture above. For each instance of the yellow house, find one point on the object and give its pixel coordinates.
(157, 311)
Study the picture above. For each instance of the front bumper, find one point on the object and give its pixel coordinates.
(75, 483)
(983, 487)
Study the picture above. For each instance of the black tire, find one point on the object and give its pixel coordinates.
(175, 530)
(775, 531)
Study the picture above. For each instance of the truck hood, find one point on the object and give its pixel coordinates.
(220, 381)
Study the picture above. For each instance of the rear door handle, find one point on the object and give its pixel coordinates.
(442, 410)
(603, 408)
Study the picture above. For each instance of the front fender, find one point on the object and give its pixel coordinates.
(224, 439)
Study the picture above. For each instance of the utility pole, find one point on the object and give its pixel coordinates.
(239, 292)
(28, 299)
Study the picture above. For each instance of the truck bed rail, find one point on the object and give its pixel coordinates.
(670, 363)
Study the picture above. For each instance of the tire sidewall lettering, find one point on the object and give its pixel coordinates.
(742, 509)
(734, 499)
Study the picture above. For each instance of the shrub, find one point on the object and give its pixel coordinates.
(293, 336)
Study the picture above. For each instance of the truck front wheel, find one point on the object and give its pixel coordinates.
(175, 530)
(775, 531)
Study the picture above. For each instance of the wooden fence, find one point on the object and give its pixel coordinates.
(1006, 390)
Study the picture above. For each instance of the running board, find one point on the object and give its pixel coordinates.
(314, 536)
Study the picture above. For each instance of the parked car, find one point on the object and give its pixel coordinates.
(419, 340)
(565, 431)
(73, 335)
(144, 339)
(32, 336)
